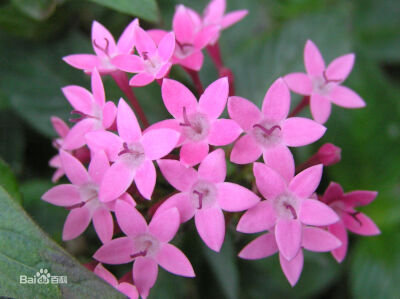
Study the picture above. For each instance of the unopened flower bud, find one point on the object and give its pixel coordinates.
(329, 154)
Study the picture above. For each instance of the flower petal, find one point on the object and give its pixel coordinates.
(105, 274)
(79, 98)
(159, 143)
(345, 97)
(233, 17)
(299, 83)
(63, 195)
(164, 225)
(76, 136)
(213, 167)
(115, 252)
(193, 153)
(259, 218)
(332, 193)
(360, 224)
(98, 166)
(143, 42)
(244, 112)
(103, 224)
(261, 247)
(245, 150)
(128, 290)
(109, 114)
(193, 61)
(235, 198)
(307, 181)
(212, 102)
(339, 231)
(145, 179)
(141, 79)
(178, 175)
(223, 132)
(210, 224)
(128, 63)
(183, 25)
(145, 271)
(320, 108)
(128, 126)
(313, 60)
(98, 88)
(173, 260)
(288, 233)
(359, 198)
(102, 40)
(319, 240)
(129, 219)
(340, 68)
(214, 11)
(314, 212)
(126, 41)
(280, 159)
(182, 202)
(269, 182)
(59, 126)
(74, 169)
(299, 131)
(83, 61)
(167, 46)
(105, 141)
(76, 223)
(292, 269)
(276, 102)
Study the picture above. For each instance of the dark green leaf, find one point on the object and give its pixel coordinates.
(8, 181)
(36, 9)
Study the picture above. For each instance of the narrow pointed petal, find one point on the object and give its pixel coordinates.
(362, 226)
(165, 225)
(145, 179)
(76, 223)
(63, 195)
(245, 150)
(105, 141)
(235, 198)
(173, 260)
(340, 68)
(193, 62)
(102, 40)
(206, 35)
(299, 83)
(345, 97)
(145, 271)
(74, 169)
(163, 71)
(98, 88)
(128, 126)
(141, 79)
(128, 290)
(214, 11)
(210, 224)
(182, 202)
(359, 198)
(244, 112)
(129, 219)
(116, 181)
(320, 108)
(115, 252)
(268, 181)
(178, 175)
(223, 132)
(125, 43)
(177, 96)
(76, 136)
(128, 63)
(261, 247)
(306, 182)
(193, 153)
(339, 231)
(276, 103)
(314, 212)
(83, 61)
(233, 17)
(333, 192)
(105, 274)
(280, 159)
(212, 102)
(292, 269)
(319, 240)
(183, 25)
(59, 126)
(299, 131)
(79, 98)
(109, 114)
(213, 167)
(313, 60)
(259, 218)
(167, 46)
(159, 143)
(288, 233)
(98, 166)
(103, 224)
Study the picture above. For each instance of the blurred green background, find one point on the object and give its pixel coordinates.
(268, 43)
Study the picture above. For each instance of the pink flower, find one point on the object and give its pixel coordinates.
(147, 245)
(287, 208)
(133, 153)
(81, 197)
(344, 205)
(95, 113)
(313, 239)
(105, 48)
(270, 132)
(153, 62)
(323, 85)
(125, 288)
(191, 37)
(204, 194)
(214, 14)
(198, 122)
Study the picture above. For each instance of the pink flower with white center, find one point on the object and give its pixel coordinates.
(287, 208)
(197, 122)
(133, 154)
(95, 113)
(204, 194)
(82, 197)
(153, 61)
(191, 37)
(314, 239)
(125, 288)
(105, 48)
(323, 85)
(214, 14)
(270, 132)
(147, 245)
(344, 205)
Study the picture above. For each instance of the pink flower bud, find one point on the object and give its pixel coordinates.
(329, 154)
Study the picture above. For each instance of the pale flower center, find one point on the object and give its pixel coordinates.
(145, 245)
(195, 126)
(152, 64)
(286, 206)
(203, 194)
(89, 194)
(267, 134)
(183, 50)
(132, 154)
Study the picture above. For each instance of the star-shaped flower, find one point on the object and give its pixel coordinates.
(344, 205)
(204, 194)
(147, 245)
(323, 85)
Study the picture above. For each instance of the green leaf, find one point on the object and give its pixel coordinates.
(25, 249)
(36, 9)
(8, 181)
(145, 9)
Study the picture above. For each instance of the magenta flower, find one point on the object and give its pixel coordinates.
(323, 85)
(204, 194)
(287, 208)
(105, 48)
(62, 130)
(313, 239)
(95, 113)
(81, 197)
(153, 61)
(270, 132)
(147, 245)
(133, 153)
(344, 205)
(214, 14)
(198, 122)
(125, 288)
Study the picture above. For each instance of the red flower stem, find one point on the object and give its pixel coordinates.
(196, 80)
(123, 83)
(215, 54)
(159, 81)
(304, 103)
(313, 160)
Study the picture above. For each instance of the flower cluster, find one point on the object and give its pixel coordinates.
(119, 149)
